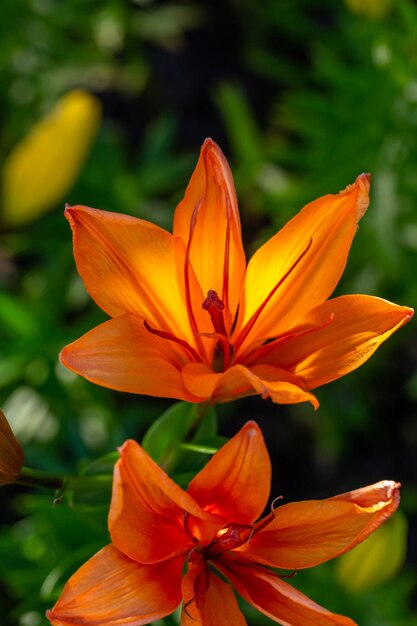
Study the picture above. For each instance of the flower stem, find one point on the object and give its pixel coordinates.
(200, 413)
(36, 478)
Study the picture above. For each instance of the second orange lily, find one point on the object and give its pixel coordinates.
(156, 529)
(191, 321)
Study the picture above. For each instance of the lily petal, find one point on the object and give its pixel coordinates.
(359, 325)
(316, 244)
(239, 381)
(209, 215)
(208, 601)
(275, 598)
(229, 484)
(382, 497)
(305, 534)
(111, 589)
(146, 503)
(129, 265)
(123, 355)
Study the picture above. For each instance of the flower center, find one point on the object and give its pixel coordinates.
(223, 350)
(215, 308)
(228, 538)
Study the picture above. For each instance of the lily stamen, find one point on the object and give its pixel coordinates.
(165, 335)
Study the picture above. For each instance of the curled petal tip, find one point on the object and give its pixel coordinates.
(125, 445)
(364, 180)
(69, 213)
(363, 183)
(361, 188)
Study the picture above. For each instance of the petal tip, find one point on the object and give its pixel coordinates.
(393, 489)
(62, 357)
(68, 212)
(213, 156)
(251, 429)
(209, 144)
(127, 444)
(361, 188)
(314, 402)
(364, 181)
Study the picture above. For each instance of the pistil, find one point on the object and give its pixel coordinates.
(222, 352)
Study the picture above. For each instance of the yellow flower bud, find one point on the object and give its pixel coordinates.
(376, 560)
(11, 454)
(369, 8)
(42, 168)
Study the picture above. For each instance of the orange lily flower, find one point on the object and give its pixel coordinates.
(11, 453)
(156, 528)
(191, 321)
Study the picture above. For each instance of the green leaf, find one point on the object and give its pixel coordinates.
(180, 423)
(102, 465)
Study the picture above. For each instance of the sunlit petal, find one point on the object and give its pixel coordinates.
(304, 534)
(229, 484)
(275, 598)
(129, 265)
(123, 355)
(329, 224)
(359, 325)
(111, 590)
(219, 265)
(146, 503)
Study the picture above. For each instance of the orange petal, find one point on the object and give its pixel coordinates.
(236, 481)
(110, 590)
(275, 598)
(239, 381)
(208, 601)
(382, 497)
(129, 265)
(304, 534)
(123, 355)
(330, 224)
(359, 325)
(147, 504)
(11, 454)
(211, 189)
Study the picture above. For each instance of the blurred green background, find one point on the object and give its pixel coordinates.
(302, 96)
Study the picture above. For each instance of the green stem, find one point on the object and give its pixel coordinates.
(201, 410)
(36, 478)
